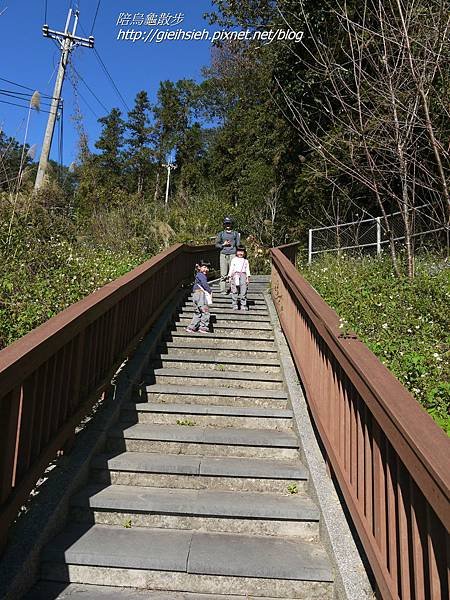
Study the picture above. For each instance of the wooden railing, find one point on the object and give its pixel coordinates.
(50, 378)
(391, 461)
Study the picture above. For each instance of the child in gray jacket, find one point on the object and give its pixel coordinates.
(201, 318)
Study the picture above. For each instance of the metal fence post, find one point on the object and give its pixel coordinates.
(310, 232)
(378, 220)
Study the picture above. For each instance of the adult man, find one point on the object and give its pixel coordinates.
(227, 241)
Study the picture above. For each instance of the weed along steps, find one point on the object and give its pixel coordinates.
(199, 491)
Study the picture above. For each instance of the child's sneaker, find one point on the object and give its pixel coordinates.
(235, 307)
(204, 330)
(190, 330)
(244, 307)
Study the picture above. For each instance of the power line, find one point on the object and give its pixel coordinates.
(45, 12)
(95, 17)
(21, 106)
(111, 80)
(88, 105)
(61, 141)
(18, 84)
(76, 91)
(107, 73)
(80, 77)
(19, 96)
(25, 87)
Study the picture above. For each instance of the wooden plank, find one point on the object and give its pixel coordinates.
(403, 505)
(10, 406)
(418, 544)
(392, 520)
(28, 423)
(38, 430)
(368, 469)
(379, 490)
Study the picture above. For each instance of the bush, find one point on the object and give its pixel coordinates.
(405, 323)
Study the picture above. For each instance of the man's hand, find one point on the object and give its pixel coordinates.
(227, 243)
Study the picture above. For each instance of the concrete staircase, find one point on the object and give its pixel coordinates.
(200, 492)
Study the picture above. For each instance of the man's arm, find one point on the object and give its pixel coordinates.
(219, 243)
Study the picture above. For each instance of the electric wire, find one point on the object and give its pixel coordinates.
(111, 80)
(88, 105)
(25, 87)
(61, 142)
(21, 106)
(45, 12)
(107, 73)
(20, 96)
(95, 17)
(80, 77)
(76, 92)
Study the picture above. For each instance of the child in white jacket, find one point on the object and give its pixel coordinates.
(239, 275)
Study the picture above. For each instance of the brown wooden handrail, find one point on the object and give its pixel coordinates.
(391, 461)
(51, 377)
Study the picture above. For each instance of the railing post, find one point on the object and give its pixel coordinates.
(378, 222)
(310, 231)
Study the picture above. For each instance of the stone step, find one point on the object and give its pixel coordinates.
(230, 323)
(199, 472)
(176, 394)
(234, 379)
(261, 338)
(252, 289)
(254, 314)
(224, 331)
(216, 399)
(207, 415)
(184, 359)
(49, 590)
(205, 342)
(226, 301)
(251, 294)
(227, 315)
(210, 510)
(203, 441)
(189, 561)
(215, 379)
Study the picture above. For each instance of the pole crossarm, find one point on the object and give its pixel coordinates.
(61, 36)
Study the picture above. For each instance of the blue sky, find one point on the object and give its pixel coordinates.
(30, 59)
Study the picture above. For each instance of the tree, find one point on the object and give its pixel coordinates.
(172, 114)
(139, 154)
(382, 97)
(110, 142)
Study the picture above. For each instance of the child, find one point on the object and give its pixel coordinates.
(201, 315)
(239, 275)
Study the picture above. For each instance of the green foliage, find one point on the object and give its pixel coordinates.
(10, 160)
(54, 259)
(186, 422)
(139, 154)
(292, 488)
(405, 323)
(111, 141)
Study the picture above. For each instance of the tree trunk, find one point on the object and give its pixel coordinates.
(156, 194)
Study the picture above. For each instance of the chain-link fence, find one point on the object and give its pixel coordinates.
(427, 225)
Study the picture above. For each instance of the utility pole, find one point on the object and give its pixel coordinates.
(169, 166)
(67, 41)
